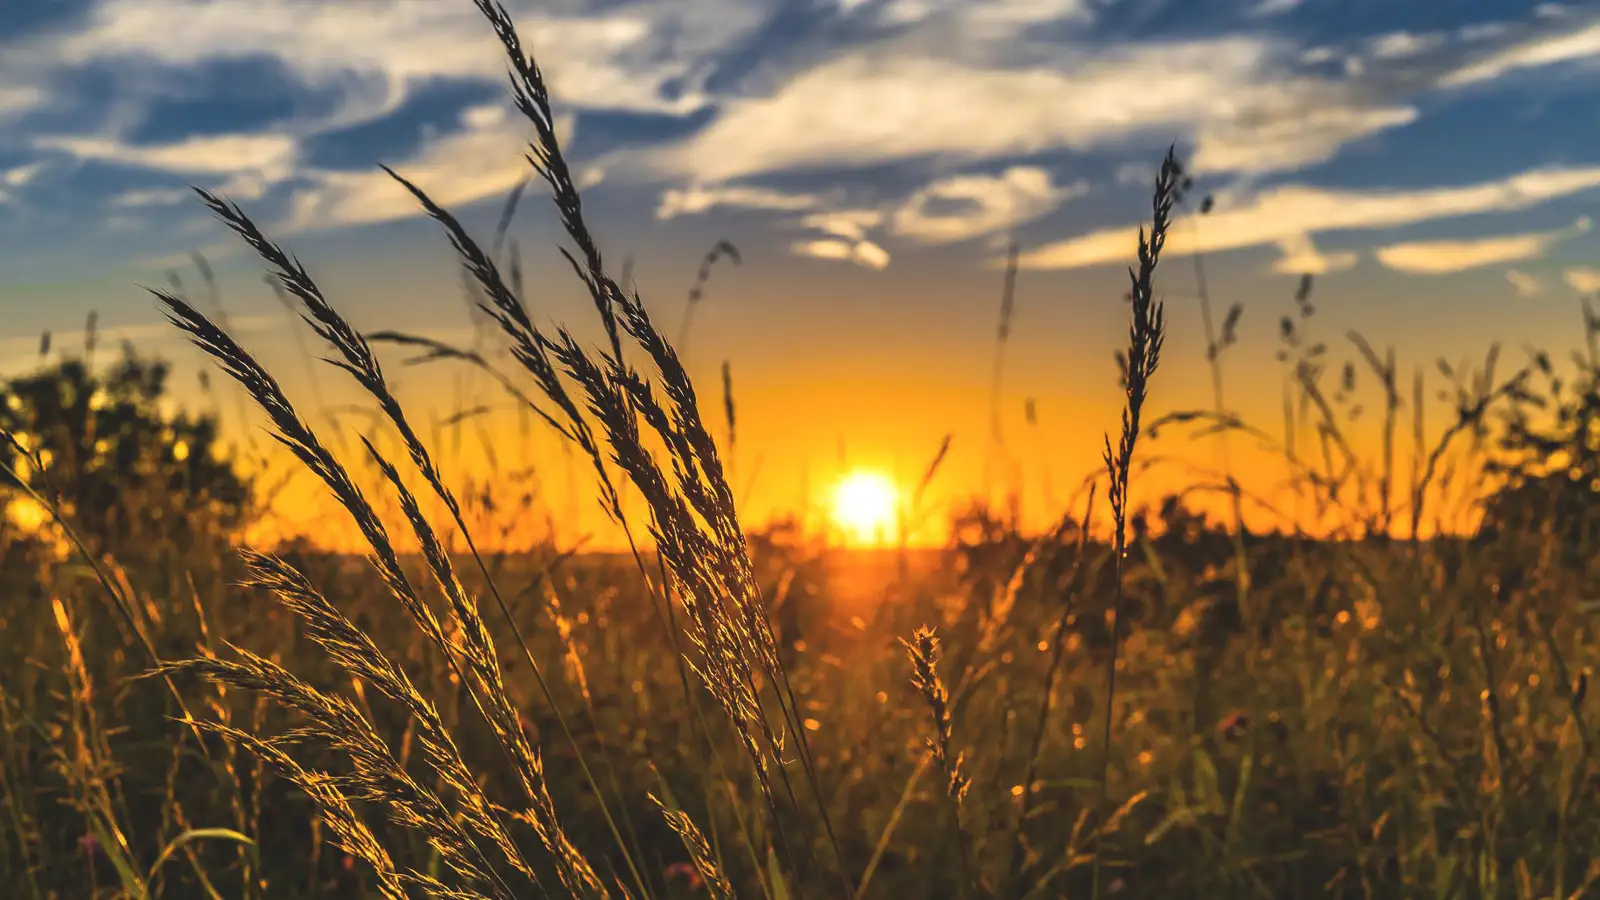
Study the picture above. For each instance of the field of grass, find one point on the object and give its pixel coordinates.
(1162, 706)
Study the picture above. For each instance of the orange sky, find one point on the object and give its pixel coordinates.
(842, 370)
(1434, 167)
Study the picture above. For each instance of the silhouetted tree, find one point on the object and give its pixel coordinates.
(1548, 459)
(126, 472)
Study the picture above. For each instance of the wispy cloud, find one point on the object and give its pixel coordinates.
(270, 155)
(16, 99)
(644, 57)
(863, 253)
(1440, 257)
(1583, 279)
(16, 177)
(455, 170)
(1535, 52)
(961, 207)
(850, 224)
(1236, 96)
(699, 199)
(1022, 88)
(143, 197)
(971, 17)
(610, 60)
(1527, 286)
(1301, 257)
(1404, 44)
(1287, 213)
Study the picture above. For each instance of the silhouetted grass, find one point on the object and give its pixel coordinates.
(1395, 707)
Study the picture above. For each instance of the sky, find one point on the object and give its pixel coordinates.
(1432, 164)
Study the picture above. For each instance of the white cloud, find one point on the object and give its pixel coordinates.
(612, 59)
(151, 197)
(1135, 173)
(1524, 284)
(1403, 44)
(619, 60)
(863, 253)
(988, 14)
(881, 105)
(241, 166)
(1290, 126)
(270, 155)
(850, 224)
(1441, 257)
(963, 81)
(1536, 52)
(18, 99)
(1283, 213)
(622, 59)
(700, 199)
(454, 170)
(871, 255)
(1583, 279)
(983, 204)
(1301, 257)
(488, 115)
(20, 175)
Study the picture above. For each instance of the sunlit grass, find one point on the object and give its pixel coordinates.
(1178, 710)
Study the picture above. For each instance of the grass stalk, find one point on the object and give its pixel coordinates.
(1145, 336)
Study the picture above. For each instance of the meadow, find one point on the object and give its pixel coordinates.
(1139, 701)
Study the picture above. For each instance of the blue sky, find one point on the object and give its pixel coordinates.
(1434, 163)
(860, 128)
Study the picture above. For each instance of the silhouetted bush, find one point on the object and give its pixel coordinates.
(122, 470)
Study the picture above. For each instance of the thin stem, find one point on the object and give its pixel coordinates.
(1057, 653)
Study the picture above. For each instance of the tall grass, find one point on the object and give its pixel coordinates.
(692, 520)
(1146, 333)
(1364, 718)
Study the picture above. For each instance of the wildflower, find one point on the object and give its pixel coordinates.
(1233, 725)
(686, 871)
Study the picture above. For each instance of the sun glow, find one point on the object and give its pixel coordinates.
(25, 513)
(864, 507)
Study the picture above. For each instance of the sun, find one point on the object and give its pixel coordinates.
(865, 506)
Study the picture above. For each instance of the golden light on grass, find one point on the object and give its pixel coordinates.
(864, 507)
(26, 514)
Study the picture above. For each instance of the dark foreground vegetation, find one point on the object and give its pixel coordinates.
(1169, 706)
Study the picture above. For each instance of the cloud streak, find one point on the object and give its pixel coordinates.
(1235, 95)
(980, 204)
(697, 199)
(863, 253)
(1543, 50)
(976, 108)
(1442, 257)
(1288, 213)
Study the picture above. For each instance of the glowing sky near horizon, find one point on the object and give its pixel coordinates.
(1433, 163)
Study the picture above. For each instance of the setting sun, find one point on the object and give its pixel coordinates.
(864, 506)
